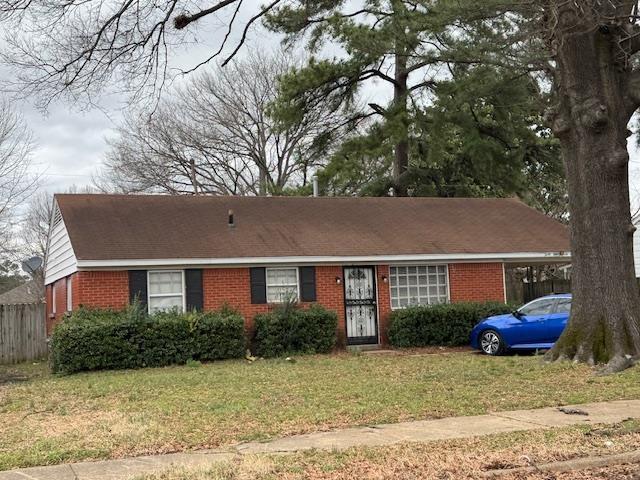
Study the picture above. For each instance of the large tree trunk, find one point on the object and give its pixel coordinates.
(400, 97)
(591, 123)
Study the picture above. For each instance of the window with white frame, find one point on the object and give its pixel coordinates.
(53, 299)
(166, 290)
(282, 284)
(418, 285)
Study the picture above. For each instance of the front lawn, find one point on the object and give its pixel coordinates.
(47, 419)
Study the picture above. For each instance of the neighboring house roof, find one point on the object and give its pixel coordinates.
(127, 229)
(29, 292)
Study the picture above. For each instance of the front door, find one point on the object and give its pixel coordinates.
(360, 305)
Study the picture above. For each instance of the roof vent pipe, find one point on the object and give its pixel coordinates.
(231, 221)
(316, 189)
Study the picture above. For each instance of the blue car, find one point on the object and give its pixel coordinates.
(536, 325)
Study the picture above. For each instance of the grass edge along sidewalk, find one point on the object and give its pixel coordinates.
(613, 412)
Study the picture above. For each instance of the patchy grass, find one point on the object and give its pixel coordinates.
(453, 459)
(47, 419)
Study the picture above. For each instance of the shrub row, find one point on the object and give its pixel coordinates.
(288, 329)
(445, 324)
(117, 339)
(99, 339)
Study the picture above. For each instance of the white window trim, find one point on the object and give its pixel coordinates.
(158, 295)
(53, 299)
(266, 284)
(69, 294)
(446, 269)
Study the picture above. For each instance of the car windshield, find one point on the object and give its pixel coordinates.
(542, 306)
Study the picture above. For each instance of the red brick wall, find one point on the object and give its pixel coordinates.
(90, 289)
(330, 295)
(476, 282)
(101, 289)
(104, 289)
(384, 302)
(60, 302)
(232, 286)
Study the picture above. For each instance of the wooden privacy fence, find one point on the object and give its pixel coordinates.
(531, 291)
(23, 333)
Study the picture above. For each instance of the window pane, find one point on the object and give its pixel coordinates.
(281, 276)
(564, 305)
(157, 304)
(538, 307)
(420, 284)
(165, 282)
(281, 294)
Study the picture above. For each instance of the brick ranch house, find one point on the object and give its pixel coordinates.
(360, 257)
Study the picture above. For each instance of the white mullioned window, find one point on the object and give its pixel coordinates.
(282, 284)
(418, 285)
(166, 290)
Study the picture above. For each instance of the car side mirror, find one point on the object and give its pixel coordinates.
(517, 314)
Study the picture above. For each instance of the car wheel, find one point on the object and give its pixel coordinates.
(491, 342)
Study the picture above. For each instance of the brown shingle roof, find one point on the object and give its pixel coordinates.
(29, 292)
(104, 227)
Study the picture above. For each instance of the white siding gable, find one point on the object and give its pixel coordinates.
(60, 260)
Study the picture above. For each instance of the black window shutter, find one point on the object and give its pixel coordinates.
(258, 285)
(308, 284)
(138, 286)
(193, 281)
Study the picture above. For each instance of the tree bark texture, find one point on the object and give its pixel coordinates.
(594, 108)
(400, 92)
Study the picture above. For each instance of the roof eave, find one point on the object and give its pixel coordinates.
(520, 257)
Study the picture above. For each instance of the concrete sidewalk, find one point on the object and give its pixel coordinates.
(417, 431)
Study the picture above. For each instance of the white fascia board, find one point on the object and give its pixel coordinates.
(311, 260)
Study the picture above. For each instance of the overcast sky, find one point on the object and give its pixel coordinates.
(72, 143)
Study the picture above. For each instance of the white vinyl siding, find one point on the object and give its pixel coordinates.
(282, 285)
(60, 258)
(418, 285)
(166, 290)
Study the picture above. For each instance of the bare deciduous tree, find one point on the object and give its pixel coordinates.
(77, 47)
(215, 136)
(35, 224)
(16, 180)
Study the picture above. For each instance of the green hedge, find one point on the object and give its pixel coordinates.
(116, 339)
(289, 329)
(442, 325)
